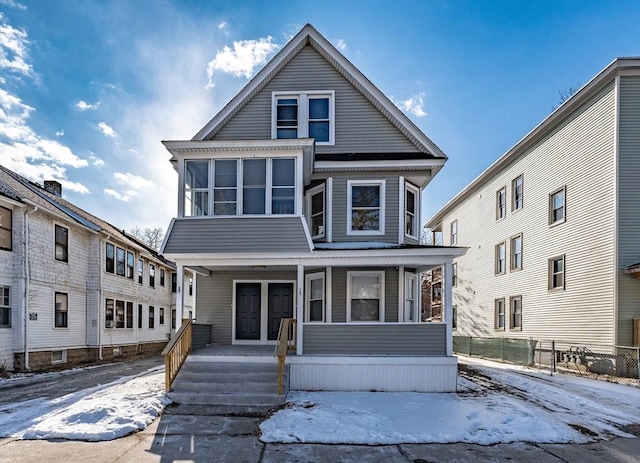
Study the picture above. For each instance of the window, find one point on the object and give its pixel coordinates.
(499, 314)
(139, 316)
(283, 186)
(410, 305)
(316, 211)
(173, 319)
(315, 297)
(120, 315)
(5, 307)
(140, 270)
(454, 233)
(110, 259)
(516, 313)
(129, 315)
(58, 356)
(130, 260)
(61, 310)
(365, 296)
(109, 314)
(556, 272)
(365, 207)
(190, 286)
(454, 317)
(411, 208)
(174, 282)
(196, 188)
(304, 115)
(151, 316)
(161, 316)
(516, 252)
(161, 277)
(254, 183)
(556, 206)
(501, 258)
(225, 187)
(516, 193)
(62, 243)
(501, 203)
(454, 275)
(152, 275)
(120, 261)
(6, 225)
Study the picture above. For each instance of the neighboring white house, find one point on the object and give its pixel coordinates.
(74, 288)
(553, 226)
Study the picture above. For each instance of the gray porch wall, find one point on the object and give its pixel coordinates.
(427, 339)
(339, 293)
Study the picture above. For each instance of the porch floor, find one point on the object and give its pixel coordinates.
(226, 352)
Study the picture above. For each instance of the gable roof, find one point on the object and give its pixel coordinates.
(310, 36)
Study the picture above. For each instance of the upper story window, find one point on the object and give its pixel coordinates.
(365, 207)
(516, 252)
(174, 282)
(110, 258)
(121, 256)
(304, 115)
(556, 206)
(161, 277)
(130, 259)
(501, 258)
(5, 307)
(140, 271)
(501, 203)
(556, 272)
(454, 233)
(454, 274)
(62, 243)
(240, 186)
(516, 193)
(5, 228)
(316, 211)
(411, 208)
(152, 275)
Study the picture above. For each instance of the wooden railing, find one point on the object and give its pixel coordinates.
(176, 352)
(286, 342)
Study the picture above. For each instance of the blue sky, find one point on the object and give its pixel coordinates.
(88, 89)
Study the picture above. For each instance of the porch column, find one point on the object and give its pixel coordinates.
(299, 309)
(447, 271)
(179, 295)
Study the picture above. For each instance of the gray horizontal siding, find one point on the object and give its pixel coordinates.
(241, 234)
(383, 339)
(201, 335)
(359, 126)
(628, 205)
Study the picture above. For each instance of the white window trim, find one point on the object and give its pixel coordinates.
(6, 307)
(303, 112)
(564, 263)
(497, 258)
(382, 214)
(307, 299)
(381, 275)
(416, 216)
(512, 253)
(416, 297)
(314, 191)
(564, 206)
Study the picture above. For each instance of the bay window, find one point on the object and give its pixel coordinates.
(411, 209)
(365, 207)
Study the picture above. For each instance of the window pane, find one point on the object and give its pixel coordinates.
(225, 173)
(5, 218)
(129, 315)
(319, 130)
(411, 202)
(197, 174)
(287, 113)
(365, 310)
(365, 220)
(283, 201)
(319, 108)
(5, 238)
(317, 203)
(283, 172)
(253, 201)
(61, 308)
(316, 288)
(365, 196)
(196, 203)
(119, 314)
(224, 209)
(365, 286)
(287, 133)
(120, 259)
(255, 173)
(315, 311)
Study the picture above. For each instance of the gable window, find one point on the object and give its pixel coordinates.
(499, 314)
(501, 203)
(365, 207)
(62, 243)
(5, 307)
(110, 258)
(315, 297)
(501, 258)
(516, 252)
(152, 316)
(120, 261)
(6, 225)
(365, 296)
(516, 193)
(556, 272)
(225, 187)
(516, 313)
(161, 277)
(454, 233)
(556, 206)
(196, 188)
(152, 275)
(61, 311)
(316, 208)
(304, 115)
(140, 270)
(411, 208)
(454, 275)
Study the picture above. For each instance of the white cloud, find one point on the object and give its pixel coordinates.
(60, 133)
(341, 45)
(222, 25)
(13, 48)
(106, 130)
(413, 105)
(84, 106)
(134, 181)
(242, 60)
(73, 186)
(13, 4)
(124, 196)
(96, 161)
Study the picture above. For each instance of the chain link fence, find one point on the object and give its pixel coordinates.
(620, 364)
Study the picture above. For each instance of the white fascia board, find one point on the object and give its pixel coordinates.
(178, 147)
(391, 164)
(12, 202)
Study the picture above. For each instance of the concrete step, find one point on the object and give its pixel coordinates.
(236, 399)
(228, 387)
(224, 377)
(228, 367)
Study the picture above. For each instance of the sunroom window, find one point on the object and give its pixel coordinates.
(225, 187)
(196, 188)
(283, 186)
(254, 186)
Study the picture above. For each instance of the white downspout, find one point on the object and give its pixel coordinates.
(27, 276)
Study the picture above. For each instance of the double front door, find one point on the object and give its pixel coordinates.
(258, 319)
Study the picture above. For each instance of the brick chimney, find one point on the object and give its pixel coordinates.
(53, 187)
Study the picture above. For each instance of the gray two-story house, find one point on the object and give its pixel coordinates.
(301, 199)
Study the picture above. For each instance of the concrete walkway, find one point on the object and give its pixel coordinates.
(201, 438)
